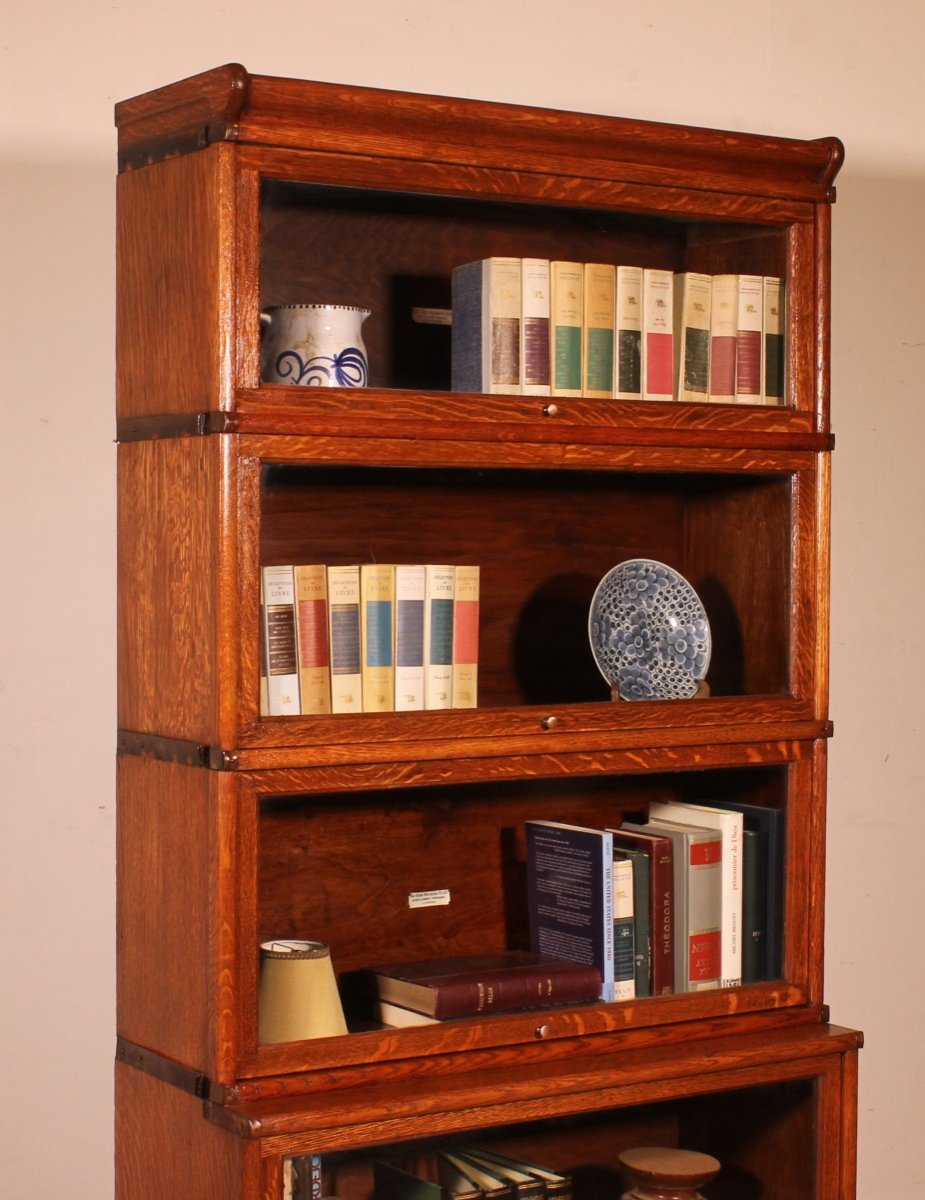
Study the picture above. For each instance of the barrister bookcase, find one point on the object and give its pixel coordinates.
(238, 191)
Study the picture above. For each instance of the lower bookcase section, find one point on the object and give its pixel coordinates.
(776, 1111)
(384, 870)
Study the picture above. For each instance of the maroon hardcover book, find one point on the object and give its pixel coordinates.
(469, 985)
(661, 860)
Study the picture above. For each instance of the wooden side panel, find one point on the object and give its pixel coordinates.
(175, 285)
(169, 497)
(176, 977)
(167, 1150)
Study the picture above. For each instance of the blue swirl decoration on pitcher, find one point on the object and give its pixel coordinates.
(346, 369)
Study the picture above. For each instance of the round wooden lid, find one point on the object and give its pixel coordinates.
(669, 1166)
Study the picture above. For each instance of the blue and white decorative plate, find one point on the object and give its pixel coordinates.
(649, 632)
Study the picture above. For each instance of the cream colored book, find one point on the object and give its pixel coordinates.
(566, 294)
(264, 688)
(534, 327)
(311, 606)
(410, 585)
(598, 326)
(748, 339)
(344, 635)
(377, 635)
(628, 365)
(657, 334)
(438, 636)
(280, 641)
(466, 637)
(724, 314)
(772, 357)
(693, 299)
(624, 944)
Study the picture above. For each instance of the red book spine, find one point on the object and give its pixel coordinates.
(662, 868)
(528, 987)
(659, 363)
(748, 363)
(723, 366)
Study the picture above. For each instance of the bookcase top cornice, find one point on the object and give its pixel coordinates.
(229, 104)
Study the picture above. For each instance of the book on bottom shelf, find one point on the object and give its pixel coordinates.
(697, 856)
(302, 1178)
(729, 824)
(558, 1184)
(486, 326)
(470, 985)
(467, 1173)
(570, 895)
(279, 633)
(311, 606)
(344, 622)
(377, 608)
(523, 1185)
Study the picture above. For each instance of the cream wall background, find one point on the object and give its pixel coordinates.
(803, 68)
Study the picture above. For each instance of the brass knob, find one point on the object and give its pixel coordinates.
(542, 1031)
(551, 410)
(549, 722)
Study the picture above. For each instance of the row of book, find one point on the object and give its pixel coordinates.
(368, 638)
(690, 900)
(450, 1173)
(536, 327)
(469, 1173)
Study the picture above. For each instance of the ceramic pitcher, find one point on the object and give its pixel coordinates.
(314, 345)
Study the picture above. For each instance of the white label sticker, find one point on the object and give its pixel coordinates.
(432, 316)
(428, 899)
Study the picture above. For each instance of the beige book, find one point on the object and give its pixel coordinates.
(410, 585)
(657, 358)
(534, 327)
(280, 641)
(466, 637)
(772, 347)
(628, 365)
(344, 637)
(693, 299)
(566, 293)
(377, 636)
(598, 326)
(311, 603)
(438, 636)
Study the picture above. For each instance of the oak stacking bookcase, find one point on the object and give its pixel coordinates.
(241, 191)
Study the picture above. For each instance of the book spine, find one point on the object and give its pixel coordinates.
(624, 946)
(663, 918)
(466, 331)
(534, 327)
(570, 893)
(724, 315)
(657, 334)
(438, 636)
(410, 582)
(748, 339)
(642, 916)
(501, 336)
(466, 637)
(704, 904)
(772, 361)
(693, 299)
(628, 366)
(566, 289)
(280, 640)
(264, 686)
(377, 609)
(344, 634)
(754, 907)
(528, 987)
(311, 598)
(599, 317)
